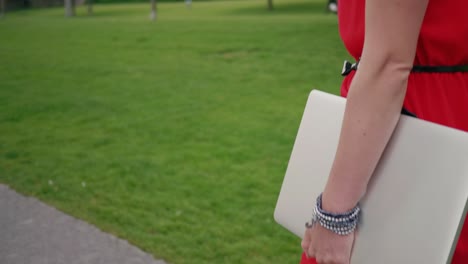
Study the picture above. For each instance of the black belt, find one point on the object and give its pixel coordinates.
(349, 67)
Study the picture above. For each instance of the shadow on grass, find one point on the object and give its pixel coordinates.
(114, 10)
(119, 12)
(285, 8)
(99, 10)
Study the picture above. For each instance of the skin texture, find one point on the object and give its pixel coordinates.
(372, 111)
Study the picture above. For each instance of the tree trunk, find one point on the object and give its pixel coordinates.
(90, 7)
(153, 10)
(73, 6)
(69, 8)
(270, 4)
(2, 8)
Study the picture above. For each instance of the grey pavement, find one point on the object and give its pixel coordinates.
(32, 232)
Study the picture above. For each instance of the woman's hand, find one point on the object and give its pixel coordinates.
(327, 247)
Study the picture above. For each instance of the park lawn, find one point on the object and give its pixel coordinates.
(175, 134)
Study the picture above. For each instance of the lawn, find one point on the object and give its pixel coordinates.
(174, 135)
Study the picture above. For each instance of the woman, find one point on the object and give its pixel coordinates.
(413, 54)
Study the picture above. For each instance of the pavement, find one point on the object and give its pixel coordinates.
(32, 232)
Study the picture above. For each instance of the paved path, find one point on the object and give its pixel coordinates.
(32, 232)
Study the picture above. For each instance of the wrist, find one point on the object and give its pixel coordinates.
(342, 223)
(338, 203)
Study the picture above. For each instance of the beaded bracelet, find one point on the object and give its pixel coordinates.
(341, 224)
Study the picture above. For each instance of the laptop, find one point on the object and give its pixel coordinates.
(416, 201)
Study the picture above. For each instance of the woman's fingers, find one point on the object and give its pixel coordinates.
(326, 247)
(306, 242)
(307, 245)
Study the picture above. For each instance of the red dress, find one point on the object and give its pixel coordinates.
(436, 97)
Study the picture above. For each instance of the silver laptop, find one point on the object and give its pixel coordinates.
(416, 201)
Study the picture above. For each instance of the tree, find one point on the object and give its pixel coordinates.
(153, 10)
(270, 4)
(90, 7)
(69, 8)
(2, 8)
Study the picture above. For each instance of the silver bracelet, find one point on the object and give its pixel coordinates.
(341, 224)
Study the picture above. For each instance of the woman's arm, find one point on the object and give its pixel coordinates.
(375, 98)
(372, 111)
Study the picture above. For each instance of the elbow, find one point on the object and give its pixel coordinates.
(386, 73)
(394, 68)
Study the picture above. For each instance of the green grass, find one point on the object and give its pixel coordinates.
(180, 130)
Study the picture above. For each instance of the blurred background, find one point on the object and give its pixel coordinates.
(167, 123)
